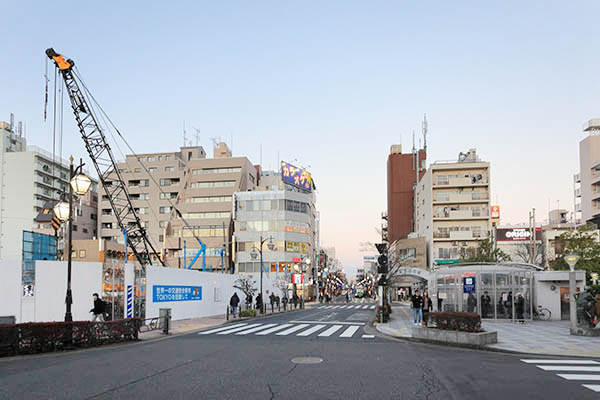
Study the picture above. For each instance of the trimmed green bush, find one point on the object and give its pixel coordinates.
(248, 313)
(454, 321)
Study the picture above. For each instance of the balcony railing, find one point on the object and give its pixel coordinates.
(462, 213)
(460, 197)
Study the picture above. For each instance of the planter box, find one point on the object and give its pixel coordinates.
(479, 339)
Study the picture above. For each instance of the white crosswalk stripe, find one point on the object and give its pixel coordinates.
(227, 332)
(330, 331)
(275, 329)
(351, 330)
(292, 329)
(312, 330)
(221, 329)
(595, 388)
(365, 307)
(252, 330)
(576, 366)
(372, 308)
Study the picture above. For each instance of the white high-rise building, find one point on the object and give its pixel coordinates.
(30, 177)
(453, 208)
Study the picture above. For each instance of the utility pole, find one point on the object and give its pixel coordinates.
(532, 231)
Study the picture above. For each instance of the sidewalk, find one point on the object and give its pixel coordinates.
(194, 324)
(534, 337)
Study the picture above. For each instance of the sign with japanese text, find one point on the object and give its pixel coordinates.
(162, 293)
(297, 279)
(296, 176)
(469, 284)
(495, 211)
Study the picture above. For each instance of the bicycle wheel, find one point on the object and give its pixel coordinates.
(544, 314)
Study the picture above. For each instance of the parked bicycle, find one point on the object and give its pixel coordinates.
(542, 313)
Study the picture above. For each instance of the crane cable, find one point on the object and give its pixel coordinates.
(104, 114)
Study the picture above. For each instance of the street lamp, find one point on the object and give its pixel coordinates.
(571, 260)
(80, 184)
(254, 254)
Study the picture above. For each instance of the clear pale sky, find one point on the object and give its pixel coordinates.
(332, 84)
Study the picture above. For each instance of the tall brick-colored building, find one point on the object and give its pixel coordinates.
(401, 178)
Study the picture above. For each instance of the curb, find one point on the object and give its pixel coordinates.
(481, 348)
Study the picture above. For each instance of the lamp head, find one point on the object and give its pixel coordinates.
(253, 254)
(81, 184)
(61, 210)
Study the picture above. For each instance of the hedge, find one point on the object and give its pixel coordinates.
(454, 321)
(30, 338)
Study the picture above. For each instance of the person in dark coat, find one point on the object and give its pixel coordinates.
(259, 302)
(233, 302)
(285, 302)
(519, 307)
(99, 308)
(272, 301)
(417, 306)
(471, 303)
(427, 307)
(295, 299)
(486, 303)
(248, 300)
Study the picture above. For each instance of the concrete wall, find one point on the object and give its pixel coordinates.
(216, 291)
(10, 287)
(51, 288)
(548, 298)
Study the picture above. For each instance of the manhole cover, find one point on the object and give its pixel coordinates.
(307, 360)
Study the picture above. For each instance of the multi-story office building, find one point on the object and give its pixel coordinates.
(30, 179)
(282, 214)
(200, 188)
(401, 179)
(453, 207)
(587, 181)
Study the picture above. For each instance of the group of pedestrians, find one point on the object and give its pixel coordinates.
(421, 305)
(274, 301)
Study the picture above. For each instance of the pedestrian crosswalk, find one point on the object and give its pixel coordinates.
(348, 307)
(326, 329)
(586, 372)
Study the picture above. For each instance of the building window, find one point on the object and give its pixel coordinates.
(74, 228)
(216, 184)
(166, 196)
(144, 196)
(215, 170)
(169, 181)
(209, 199)
(81, 253)
(251, 178)
(137, 170)
(161, 238)
(163, 224)
(206, 215)
(85, 230)
(152, 169)
(169, 169)
(164, 210)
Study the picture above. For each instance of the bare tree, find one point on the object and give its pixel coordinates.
(282, 285)
(522, 253)
(246, 285)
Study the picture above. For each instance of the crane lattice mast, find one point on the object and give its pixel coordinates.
(102, 157)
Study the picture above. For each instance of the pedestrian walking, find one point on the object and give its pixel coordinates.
(259, 302)
(248, 301)
(519, 307)
(285, 302)
(99, 308)
(417, 306)
(295, 299)
(471, 303)
(272, 301)
(277, 303)
(486, 304)
(233, 303)
(426, 307)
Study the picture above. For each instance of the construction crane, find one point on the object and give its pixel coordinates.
(104, 162)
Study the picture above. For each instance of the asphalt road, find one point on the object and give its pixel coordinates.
(239, 362)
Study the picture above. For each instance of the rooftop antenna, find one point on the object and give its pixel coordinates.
(184, 135)
(197, 135)
(12, 122)
(425, 132)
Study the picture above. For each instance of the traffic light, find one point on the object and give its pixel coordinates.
(382, 268)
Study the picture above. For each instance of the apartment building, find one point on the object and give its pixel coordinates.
(31, 179)
(283, 215)
(200, 188)
(453, 207)
(587, 181)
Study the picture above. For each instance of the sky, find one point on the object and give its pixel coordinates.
(332, 84)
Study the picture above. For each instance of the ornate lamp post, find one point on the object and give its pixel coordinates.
(79, 184)
(254, 254)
